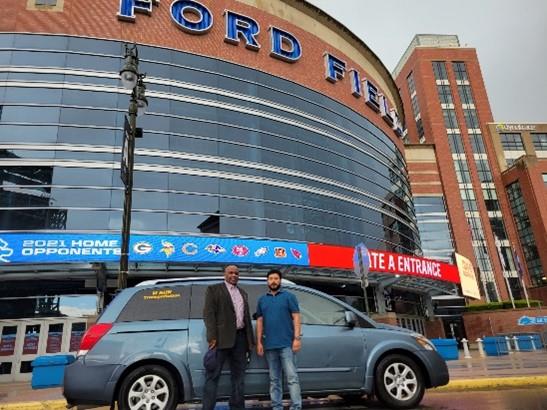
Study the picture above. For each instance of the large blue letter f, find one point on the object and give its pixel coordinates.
(129, 7)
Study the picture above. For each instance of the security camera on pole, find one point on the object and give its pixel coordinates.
(361, 265)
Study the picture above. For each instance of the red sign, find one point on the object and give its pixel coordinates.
(341, 257)
(7, 345)
(30, 344)
(54, 340)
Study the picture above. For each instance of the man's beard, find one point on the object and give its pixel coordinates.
(274, 286)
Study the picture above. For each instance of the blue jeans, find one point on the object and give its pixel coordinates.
(283, 359)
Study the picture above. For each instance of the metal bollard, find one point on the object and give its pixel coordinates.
(533, 343)
(515, 340)
(508, 342)
(481, 348)
(466, 354)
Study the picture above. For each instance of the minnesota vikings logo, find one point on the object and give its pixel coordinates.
(168, 248)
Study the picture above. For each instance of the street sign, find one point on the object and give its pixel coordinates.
(124, 167)
(361, 263)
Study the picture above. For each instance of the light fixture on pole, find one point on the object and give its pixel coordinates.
(132, 80)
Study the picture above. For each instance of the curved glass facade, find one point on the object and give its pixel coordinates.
(226, 150)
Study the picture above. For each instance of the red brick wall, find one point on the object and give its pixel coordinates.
(539, 293)
(434, 329)
(479, 324)
(98, 18)
(387, 318)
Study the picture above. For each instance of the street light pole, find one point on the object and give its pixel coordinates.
(133, 80)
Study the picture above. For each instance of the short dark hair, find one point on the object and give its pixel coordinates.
(274, 271)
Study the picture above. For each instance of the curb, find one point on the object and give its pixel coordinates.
(523, 382)
(35, 405)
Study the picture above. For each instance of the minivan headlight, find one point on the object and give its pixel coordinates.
(424, 342)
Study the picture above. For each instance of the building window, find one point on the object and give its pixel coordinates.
(462, 171)
(524, 229)
(477, 143)
(439, 69)
(545, 179)
(471, 119)
(460, 71)
(415, 105)
(50, 3)
(411, 84)
(456, 144)
(539, 141)
(445, 95)
(484, 170)
(511, 142)
(450, 120)
(491, 199)
(466, 96)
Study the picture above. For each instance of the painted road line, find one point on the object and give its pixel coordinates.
(494, 383)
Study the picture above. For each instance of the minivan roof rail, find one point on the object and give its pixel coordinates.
(205, 278)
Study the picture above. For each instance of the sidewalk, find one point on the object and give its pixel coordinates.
(517, 370)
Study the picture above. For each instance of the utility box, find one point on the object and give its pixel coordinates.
(48, 371)
(495, 346)
(447, 348)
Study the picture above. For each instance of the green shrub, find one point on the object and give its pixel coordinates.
(506, 304)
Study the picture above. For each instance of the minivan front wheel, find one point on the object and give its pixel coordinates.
(399, 382)
(149, 387)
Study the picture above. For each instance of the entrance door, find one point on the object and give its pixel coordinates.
(23, 340)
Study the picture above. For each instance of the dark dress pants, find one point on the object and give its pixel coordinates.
(237, 356)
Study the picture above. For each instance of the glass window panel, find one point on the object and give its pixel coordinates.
(54, 338)
(32, 95)
(317, 310)
(7, 342)
(31, 339)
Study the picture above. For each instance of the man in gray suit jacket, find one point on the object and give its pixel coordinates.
(229, 330)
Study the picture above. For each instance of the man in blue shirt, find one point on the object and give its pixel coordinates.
(278, 332)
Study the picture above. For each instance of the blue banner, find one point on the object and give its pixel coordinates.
(59, 248)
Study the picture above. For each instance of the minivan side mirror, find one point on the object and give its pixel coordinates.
(351, 319)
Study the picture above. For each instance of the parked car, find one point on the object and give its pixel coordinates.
(147, 348)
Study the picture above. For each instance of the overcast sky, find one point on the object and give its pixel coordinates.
(510, 37)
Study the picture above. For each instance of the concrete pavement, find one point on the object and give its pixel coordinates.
(518, 370)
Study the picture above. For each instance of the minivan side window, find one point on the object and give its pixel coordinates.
(317, 310)
(198, 298)
(160, 303)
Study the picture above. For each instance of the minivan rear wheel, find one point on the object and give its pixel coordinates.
(149, 387)
(399, 382)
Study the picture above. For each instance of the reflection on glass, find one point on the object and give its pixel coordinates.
(32, 337)
(78, 306)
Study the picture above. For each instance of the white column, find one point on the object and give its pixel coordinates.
(481, 348)
(508, 342)
(466, 354)
(515, 340)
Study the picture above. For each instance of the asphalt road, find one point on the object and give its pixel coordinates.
(522, 399)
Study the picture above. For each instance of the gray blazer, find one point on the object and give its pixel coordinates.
(220, 317)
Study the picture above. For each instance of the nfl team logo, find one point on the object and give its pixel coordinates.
(296, 253)
(215, 249)
(280, 252)
(240, 250)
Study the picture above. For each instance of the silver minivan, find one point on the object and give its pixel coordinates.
(146, 351)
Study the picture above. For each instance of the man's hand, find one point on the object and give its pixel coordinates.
(259, 349)
(296, 345)
(212, 343)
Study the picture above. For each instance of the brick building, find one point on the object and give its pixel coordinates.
(446, 104)
(521, 153)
